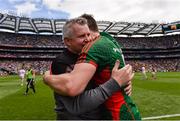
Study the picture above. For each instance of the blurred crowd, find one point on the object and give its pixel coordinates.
(41, 47)
(30, 40)
(161, 65)
(150, 42)
(13, 66)
(167, 41)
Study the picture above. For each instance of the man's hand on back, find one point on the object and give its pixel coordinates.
(123, 75)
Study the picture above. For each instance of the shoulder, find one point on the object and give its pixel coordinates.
(60, 58)
(105, 35)
(66, 57)
(58, 61)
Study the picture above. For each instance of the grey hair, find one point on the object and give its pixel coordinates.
(67, 31)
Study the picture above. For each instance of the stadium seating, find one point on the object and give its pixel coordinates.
(160, 52)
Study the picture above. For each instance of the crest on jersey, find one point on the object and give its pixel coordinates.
(117, 50)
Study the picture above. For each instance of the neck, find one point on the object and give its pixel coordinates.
(72, 51)
(95, 34)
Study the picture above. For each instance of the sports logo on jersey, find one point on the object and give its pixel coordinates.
(117, 50)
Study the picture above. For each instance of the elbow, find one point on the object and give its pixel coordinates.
(46, 79)
(72, 92)
(65, 92)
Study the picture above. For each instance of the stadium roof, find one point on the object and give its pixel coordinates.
(54, 26)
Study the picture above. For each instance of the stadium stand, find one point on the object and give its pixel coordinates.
(39, 41)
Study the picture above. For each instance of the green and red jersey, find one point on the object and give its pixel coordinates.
(103, 53)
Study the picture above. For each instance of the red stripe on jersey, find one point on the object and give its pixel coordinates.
(103, 76)
(93, 63)
(81, 58)
(114, 104)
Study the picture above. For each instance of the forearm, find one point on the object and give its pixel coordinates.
(72, 83)
(65, 84)
(59, 83)
(91, 98)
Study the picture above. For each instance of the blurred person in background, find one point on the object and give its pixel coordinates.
(143, 71)
(30, 78)
(153, 73)
(22, 73)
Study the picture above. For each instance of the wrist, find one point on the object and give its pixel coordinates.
(118, 81)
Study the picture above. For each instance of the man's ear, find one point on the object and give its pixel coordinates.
(67, 42)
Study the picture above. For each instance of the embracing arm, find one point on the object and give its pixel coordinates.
(90, 99)
(94, 97)
(72, 83)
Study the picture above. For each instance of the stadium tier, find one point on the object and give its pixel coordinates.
(17, 24)
(17, 48)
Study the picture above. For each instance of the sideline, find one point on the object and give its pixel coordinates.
(159, 117)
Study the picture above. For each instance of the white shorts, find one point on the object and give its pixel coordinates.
(21, 76)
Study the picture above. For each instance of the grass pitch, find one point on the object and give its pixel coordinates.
(14, 105)
(153, 98)
(158, 97)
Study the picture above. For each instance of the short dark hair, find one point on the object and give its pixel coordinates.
(91, 22)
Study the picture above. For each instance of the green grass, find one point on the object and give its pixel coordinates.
(8, 86)
(15, 105)
(157, 97)
(153, 98)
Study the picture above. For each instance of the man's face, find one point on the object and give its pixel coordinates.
(80, 38)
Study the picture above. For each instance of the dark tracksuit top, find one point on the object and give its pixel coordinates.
(86, 106)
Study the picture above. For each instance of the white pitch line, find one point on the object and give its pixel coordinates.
(158, 117)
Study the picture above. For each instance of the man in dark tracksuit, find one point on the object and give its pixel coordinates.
(85, 106)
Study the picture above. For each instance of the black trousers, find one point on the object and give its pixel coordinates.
(30, 84)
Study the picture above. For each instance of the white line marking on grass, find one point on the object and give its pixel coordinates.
(159, 117)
